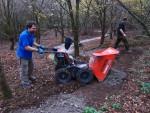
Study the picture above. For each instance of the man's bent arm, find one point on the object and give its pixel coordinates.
(29, 48)
(36, 44)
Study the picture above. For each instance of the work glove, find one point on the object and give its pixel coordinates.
(40, 51)
(42, 47)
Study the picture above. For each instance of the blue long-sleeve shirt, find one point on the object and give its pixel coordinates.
(25, 39)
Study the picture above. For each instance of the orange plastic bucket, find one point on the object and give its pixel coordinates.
(101, 62)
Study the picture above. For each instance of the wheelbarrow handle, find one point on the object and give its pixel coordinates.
(50, 50)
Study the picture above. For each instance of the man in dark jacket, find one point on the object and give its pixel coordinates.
(121, 35)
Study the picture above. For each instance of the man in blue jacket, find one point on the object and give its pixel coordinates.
(24, 53)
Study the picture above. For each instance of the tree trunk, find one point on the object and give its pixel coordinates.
(75, 25)
(38, 35)
(62, 34)
(86, 19)
(103, 26)
(56, 30)
(3, 84)
(62, 27)
(111, 23)
(12, 43)
(76, 44)
(111, 31)
(76, 38)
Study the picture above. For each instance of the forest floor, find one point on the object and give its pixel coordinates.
(47, 96)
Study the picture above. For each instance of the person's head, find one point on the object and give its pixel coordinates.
(31, 26)
(125, 19)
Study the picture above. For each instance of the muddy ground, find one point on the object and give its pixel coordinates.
(46, 96)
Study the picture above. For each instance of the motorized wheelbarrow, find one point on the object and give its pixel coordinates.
(68, 68)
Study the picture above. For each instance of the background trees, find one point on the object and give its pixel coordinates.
(71, 17)
(8, 20)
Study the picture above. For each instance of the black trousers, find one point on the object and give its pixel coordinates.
(122, 39)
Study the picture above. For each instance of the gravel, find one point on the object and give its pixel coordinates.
(63, 103)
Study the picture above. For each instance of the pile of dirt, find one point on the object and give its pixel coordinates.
(115, 77)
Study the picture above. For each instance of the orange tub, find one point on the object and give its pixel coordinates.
(101, 62)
